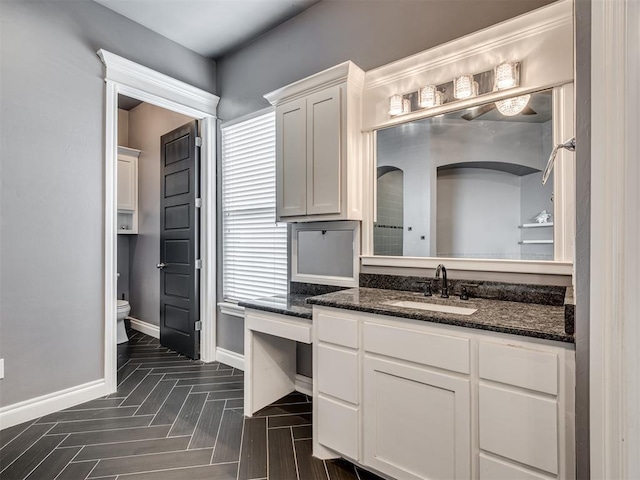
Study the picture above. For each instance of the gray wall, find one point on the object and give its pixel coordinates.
(147, 123)
(370, 33)
(478, 214)
(123, 266)
(51, 192)
(388, 237)
(407, 147)
(469, 200)
(123, 128)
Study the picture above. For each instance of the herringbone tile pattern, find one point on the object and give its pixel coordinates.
(172, 418)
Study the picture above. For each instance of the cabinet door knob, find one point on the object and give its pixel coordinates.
(160, 266)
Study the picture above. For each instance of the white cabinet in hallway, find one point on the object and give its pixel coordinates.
(127, 200)
(318, 152)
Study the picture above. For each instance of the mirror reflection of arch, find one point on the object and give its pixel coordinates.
(471, 186)
(388, 230)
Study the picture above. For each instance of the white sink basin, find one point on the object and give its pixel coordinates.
(432, 307)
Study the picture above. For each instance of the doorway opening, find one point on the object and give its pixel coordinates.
(157, 187)
(128, 79)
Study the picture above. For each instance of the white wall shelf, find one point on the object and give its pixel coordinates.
(536, 225)
(536, 242)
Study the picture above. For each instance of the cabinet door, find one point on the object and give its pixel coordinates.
(324, 151)
(291, 159)
(519, 426)
(127, 179)
(416, 422)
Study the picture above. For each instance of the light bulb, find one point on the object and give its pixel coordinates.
(430, 97)
(464, 87)
(512, 106)
(406, 106)
(395, 104)
(507, 75)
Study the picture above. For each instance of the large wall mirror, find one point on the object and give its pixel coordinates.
(467, 185)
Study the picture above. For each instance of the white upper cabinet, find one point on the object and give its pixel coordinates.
(127, 177)
(318, 138)
(127, 190)
(291, 127)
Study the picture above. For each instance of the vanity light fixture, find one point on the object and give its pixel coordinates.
(429, 96)
(507, 75)
(512, 106)
(504, 76)
(406, 106)
(464, 86)
(395, 104)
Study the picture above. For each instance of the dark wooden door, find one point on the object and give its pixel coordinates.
(179, 242)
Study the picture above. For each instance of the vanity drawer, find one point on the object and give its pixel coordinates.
(520, 367)
(495, 469)
(427, 348)
(338, 373)
(336, 328)
(519, 426)
(338, 426)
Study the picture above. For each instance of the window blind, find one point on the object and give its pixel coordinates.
(254, 260)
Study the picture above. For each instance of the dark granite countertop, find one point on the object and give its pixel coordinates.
(292, 304)
(516, 318)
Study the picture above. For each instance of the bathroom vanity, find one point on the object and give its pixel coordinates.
(413, 392)
(418, 394)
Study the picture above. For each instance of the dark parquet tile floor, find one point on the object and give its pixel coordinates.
(172, 418)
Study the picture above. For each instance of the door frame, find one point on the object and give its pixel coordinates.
(136, 81)
(614, 333)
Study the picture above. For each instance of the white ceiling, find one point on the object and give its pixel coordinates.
(209, 27)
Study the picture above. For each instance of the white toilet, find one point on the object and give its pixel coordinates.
(123, 311)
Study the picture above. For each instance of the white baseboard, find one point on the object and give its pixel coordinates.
(304, 385)
(233, 359)
(144, 327)
(52, 402)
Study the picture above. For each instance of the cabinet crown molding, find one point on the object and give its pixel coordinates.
(345, 72)
(493, 44)
(130, 152)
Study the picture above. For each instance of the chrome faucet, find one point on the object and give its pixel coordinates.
(445, 287)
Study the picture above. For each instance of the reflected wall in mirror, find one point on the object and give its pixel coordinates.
(467, 185)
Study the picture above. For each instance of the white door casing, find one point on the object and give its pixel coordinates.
(133, 80)
(614, 364)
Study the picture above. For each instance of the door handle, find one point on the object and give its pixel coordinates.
(160, 266)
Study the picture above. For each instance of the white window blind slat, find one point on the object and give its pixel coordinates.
(254, 246)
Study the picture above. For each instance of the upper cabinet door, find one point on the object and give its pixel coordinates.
(291, 158)
(127, 179)
(324, 151)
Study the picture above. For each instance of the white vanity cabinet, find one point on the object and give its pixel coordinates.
(127, 196)
(336, 386)
(318, 151)
(418, 400)
(416, 421)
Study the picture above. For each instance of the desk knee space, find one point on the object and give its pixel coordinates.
(270, 356)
